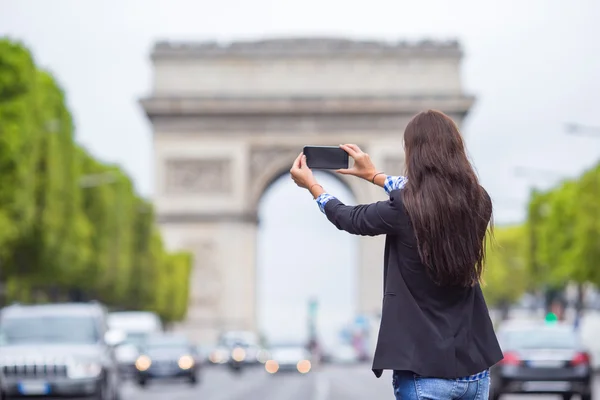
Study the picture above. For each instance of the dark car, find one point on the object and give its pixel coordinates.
(288, 357)
(168, 357)
(58, 350)
(545, 359)
(242, 348)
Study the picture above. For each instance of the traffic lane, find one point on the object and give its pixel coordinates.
(217, 383)
(221, 384)
(283, 386)
(326, 383)
(332, 382)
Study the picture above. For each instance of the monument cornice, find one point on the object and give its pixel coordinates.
(169, 106)
(307, 47)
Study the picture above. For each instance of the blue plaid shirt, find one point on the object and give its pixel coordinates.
(394, 183)
(391, 183)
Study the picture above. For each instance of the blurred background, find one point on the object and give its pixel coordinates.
(150, 234)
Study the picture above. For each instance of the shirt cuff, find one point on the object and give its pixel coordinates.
(322, 200)
(394, 183)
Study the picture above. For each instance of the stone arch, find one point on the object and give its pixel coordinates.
(229, 119)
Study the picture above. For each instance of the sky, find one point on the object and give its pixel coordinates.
(318, 264)
(533, 66)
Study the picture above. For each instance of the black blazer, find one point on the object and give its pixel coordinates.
(434, 331)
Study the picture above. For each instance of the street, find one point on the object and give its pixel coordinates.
(330, 383)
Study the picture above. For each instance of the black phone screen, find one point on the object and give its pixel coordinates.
(326, 157)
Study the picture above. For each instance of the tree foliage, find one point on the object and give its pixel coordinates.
(565, 226)
(72, 227)
(506, 275)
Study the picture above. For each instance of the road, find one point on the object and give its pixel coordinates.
(329, 383)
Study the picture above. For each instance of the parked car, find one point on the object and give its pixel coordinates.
(167, 357)
(542, 359)
(58, 350)
(589, 328)
(137, 326)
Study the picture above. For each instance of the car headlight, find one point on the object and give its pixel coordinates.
(271, 366)
(303, 366)
(238, 354)
(143, 363)
(84, 369)
(218, 357)
(185, 362)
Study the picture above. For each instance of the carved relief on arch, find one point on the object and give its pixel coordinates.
(266, 163)
(197, 176)
(269, 162)
(262, 156)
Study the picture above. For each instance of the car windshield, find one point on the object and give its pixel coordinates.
(231, 339)
(166, 344)
(288, 351)
(540, 339)
(135, 338)
(288, 346)
(48, 329)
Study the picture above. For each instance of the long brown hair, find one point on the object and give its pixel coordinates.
(449, 210)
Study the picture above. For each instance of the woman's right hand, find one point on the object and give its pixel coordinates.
(363, 166)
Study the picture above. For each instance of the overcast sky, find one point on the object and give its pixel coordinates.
(533, 66)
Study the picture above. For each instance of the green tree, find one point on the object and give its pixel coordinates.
(72, 226)
(556, 234)
(61, 233)
(18, 149)
(506, 276)
(585, 251)
(176, 292)
(142, 292)
(109, 204)
(564, 224)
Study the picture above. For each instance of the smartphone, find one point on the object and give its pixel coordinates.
(326, 157)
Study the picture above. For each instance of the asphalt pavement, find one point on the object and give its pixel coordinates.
(353, 382)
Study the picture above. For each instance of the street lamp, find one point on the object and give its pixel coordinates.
(53, 126)
(589, 131)
(582, 130)
(93, 180)
(536, 173)
(86, 181)
(528, 173)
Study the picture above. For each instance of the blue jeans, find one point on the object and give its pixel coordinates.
(408, 386)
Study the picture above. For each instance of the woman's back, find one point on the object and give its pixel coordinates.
(427, 328)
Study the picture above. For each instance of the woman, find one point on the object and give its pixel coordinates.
(436, 334)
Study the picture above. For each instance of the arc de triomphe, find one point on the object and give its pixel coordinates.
(229, 119)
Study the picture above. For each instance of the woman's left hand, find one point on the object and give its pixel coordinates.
(301, 174)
